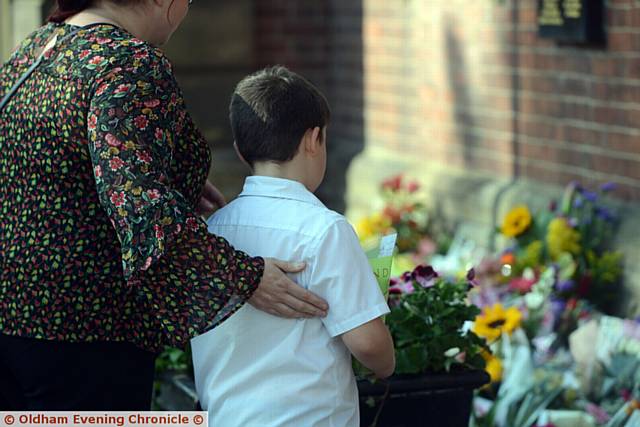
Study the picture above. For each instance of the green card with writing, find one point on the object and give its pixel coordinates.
(381, 259)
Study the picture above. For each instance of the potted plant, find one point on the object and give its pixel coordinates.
(439, 360)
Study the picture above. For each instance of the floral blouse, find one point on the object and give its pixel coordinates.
(101, 168)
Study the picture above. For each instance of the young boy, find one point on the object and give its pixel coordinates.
(259, 370)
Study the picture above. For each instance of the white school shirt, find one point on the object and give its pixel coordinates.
(259, 370)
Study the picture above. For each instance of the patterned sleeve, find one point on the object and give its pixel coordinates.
(185, 280)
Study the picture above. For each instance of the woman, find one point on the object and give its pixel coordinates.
(103, 259)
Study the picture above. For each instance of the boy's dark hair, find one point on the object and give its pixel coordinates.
(271, 110)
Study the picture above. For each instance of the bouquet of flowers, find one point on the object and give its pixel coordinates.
(404, 213)
(574, 239)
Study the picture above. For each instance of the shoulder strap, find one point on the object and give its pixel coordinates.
(32, 68)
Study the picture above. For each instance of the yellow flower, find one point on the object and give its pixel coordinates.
(516, 222)
(364, 228)
(372, 226)
(495, 320)
(561, 237)
(532, 255)
(493, 366)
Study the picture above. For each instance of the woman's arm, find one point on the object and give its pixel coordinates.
(185, 280)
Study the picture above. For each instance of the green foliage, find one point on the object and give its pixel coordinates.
(427, 328)
(173, 359)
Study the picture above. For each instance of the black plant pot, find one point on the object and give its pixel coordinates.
(442, 400)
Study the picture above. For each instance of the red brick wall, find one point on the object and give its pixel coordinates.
(469, 84)
(321, 40)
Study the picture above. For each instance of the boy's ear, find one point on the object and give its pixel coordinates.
(313, 140)
(241, 157)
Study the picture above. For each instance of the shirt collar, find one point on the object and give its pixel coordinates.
(278, 188)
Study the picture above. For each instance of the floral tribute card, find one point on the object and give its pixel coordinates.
(381, 259)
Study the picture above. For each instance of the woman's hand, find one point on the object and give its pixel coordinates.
(210, 200)
(280, 296)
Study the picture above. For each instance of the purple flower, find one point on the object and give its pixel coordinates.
(402, 284)
(425, 275)
(401, 288)
(406, 276)
(557, 307)
(578, 202)
(565, 285)
(590, 196)
(605, 214)
(608, 186)
(471, 278)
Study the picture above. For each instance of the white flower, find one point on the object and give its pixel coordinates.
(452, 352)
(534, 300)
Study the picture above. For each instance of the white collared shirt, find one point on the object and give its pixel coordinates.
(259, 370)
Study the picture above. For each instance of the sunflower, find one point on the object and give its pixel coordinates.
(516, 222)
(495, 320)
(493, 366)
(561, 237)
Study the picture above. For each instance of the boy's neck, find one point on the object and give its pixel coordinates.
(287, 170)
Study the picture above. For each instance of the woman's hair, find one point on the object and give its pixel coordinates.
(63, 9)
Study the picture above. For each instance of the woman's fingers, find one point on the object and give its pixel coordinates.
(289, 267)
(305, 301)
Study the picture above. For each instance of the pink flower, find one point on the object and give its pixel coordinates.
(425, 275)
(394, 183)
(598, 413)
(97, 171)
(401, 288)
(141, 54)
(147, 264)
(103, 40)
(392, 213)
(117, 199)
(93, 121)
(144, 157)
(112, 140)
(141, 122)
(159, 231)
(153, 194)
(522, 285)
(426, 248)
(84, 54)
(121, 89)
(192, 224)
(101, 89)
(402, 284)
(116, 163)
(413, 186)
(159, 134)
(152, 103)
(96, 60)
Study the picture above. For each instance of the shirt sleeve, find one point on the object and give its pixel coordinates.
(185, 281)
(343, 276)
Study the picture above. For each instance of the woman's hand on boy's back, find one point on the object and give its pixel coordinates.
(277, 294)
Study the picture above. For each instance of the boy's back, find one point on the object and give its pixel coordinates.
(260, 370)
